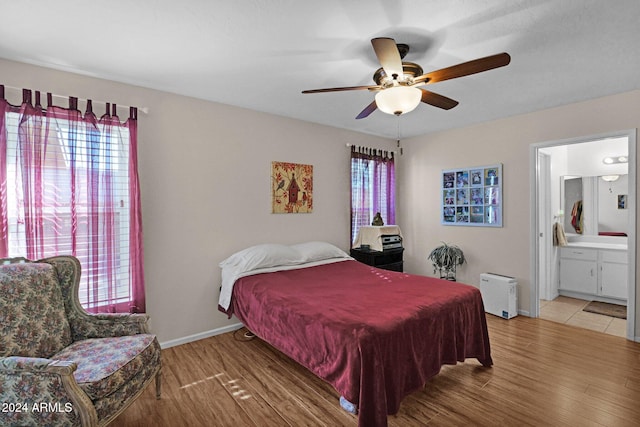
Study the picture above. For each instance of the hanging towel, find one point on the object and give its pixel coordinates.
(559, 239)
(576, 216)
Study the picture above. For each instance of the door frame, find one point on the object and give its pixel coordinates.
(536, 229)
(544, 237)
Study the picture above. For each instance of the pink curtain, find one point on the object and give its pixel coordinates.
(136, 275)
(69, 185)
(4, 225)
(372, 187)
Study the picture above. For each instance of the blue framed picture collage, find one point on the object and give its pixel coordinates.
(472, 196)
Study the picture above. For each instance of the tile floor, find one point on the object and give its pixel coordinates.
(569, 310)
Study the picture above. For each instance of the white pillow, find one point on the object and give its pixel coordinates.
(262, 256)
(317, 251)
(270, 255)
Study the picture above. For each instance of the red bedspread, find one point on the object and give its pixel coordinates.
(375, 335)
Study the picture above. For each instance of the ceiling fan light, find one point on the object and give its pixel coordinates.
(398, 100)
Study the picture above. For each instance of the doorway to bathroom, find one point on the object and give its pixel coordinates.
(583, 195)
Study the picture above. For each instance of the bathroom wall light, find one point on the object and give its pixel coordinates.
(615, 159)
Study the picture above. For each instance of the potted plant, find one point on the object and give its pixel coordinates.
(445, 259)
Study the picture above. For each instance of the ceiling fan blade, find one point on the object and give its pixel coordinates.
(388, 55)
(465, 69)
(368, 110)
(438, 100)
(339, 89)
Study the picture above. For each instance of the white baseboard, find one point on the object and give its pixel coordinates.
(200, 336)
(524, 313)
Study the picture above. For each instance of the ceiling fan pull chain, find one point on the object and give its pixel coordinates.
(398, 133)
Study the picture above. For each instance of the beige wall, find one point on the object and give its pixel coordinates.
(204, 173)
(503, 250)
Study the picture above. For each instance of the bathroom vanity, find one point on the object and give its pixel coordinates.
(595, 268)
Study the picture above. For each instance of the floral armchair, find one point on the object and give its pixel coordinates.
(60, 365)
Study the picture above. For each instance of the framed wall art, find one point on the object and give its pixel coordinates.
(622, 201)
(472, 196)
(291, 188)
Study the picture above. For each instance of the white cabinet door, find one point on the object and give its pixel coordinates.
(579, 275)
(613, 278)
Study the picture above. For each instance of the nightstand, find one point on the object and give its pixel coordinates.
(390, 259)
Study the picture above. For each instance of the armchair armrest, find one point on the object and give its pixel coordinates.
(85, 325)
(38, 391)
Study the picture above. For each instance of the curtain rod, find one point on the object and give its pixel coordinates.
(145, 110)
(348, 145)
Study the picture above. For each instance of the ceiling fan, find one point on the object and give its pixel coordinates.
(398, 83)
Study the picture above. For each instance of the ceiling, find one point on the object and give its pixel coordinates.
(260, 54)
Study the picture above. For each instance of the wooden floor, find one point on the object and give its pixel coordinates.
(544, 374)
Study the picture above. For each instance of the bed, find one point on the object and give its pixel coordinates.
(374, 335)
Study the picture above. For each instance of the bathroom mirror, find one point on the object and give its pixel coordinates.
(595, 205)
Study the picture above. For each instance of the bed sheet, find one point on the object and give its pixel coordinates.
(374, 335)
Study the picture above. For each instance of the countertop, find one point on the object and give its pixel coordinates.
(594, 245)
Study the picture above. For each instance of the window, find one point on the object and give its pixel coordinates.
(68, 192)
(372, 187)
